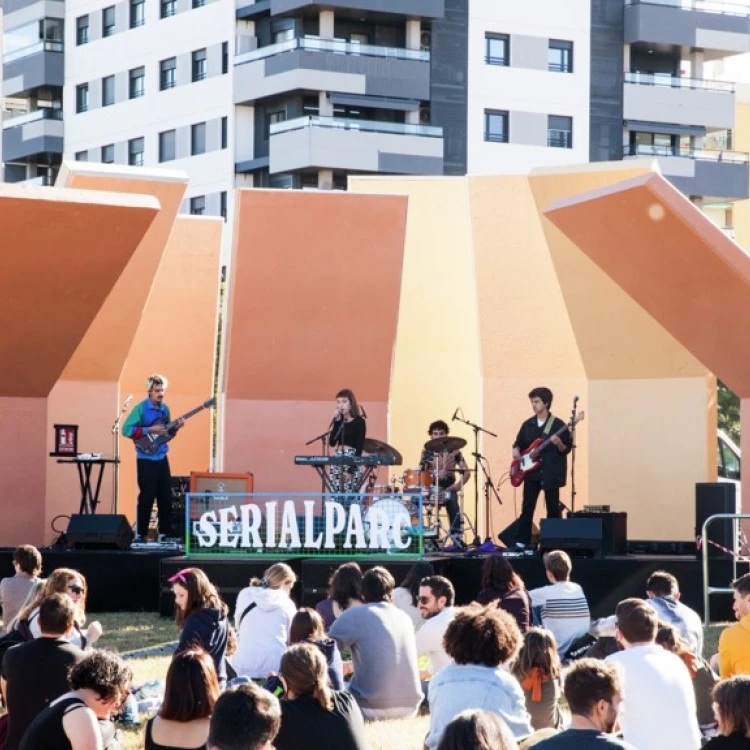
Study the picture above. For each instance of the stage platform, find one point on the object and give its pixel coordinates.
(137, 581)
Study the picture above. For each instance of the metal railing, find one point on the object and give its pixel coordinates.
(44, 113)
(337, 46)
(343, 123)
(707, 589)
(560, 138)
(33, 49)
(491, 137)
(678, 82)
(700, 154)
(704, 6)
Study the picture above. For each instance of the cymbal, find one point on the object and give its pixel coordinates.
(379, 448)
(445, 444)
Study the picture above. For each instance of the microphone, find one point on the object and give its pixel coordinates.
(455, 414)
(128, 399)
(362, 409)
(576, 399)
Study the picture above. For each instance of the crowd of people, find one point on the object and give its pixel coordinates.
(516, 668)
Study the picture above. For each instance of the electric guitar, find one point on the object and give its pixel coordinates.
(530, 460)
(150, 443)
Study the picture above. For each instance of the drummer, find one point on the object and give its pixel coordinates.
(453, 473)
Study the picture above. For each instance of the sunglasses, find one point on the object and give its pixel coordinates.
(75, 588)
(424, 599)
(179, 577)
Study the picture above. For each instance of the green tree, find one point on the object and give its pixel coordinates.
(729, 412)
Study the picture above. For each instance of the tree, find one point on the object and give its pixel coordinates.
(729, 411)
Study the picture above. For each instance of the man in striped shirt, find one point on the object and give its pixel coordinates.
(562, 605)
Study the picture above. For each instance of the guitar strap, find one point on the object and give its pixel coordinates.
(548, 427)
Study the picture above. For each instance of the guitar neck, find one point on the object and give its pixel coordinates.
(541, 447)
(189, 414)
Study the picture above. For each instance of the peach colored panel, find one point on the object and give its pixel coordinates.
(177, 337)
(314, 297)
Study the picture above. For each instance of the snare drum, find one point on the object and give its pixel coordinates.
(372, 492)
(415, 480)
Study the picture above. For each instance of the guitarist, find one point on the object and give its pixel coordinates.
(154, 476)
(552, 474)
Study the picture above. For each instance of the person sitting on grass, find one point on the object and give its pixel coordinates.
(734, 641)
(406, 595)
(436, 600)
(313, 715)
(477, 730)
(537, 669)
(79, 719)
(503, 586)
(27, 562)
(307, 627)
(190, 695)
(732, 706)
(481, 641)
(344, 591)
(245, 717)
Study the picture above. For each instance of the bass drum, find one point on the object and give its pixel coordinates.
(397, 512)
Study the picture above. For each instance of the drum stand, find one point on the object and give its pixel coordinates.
(444, 535)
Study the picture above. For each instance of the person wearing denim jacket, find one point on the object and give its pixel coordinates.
(480, 640)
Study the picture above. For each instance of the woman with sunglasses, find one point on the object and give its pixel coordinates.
(73, 584)
(201, 616)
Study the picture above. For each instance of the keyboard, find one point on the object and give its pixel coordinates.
(373, 460)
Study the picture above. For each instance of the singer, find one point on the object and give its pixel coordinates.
(348, 430)
(154, 476)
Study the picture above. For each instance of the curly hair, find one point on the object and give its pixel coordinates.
(103, 672)
(482, 635)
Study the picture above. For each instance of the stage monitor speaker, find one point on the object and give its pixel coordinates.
(712, 498)
(103, 531)
(577, 535)
(614, 531)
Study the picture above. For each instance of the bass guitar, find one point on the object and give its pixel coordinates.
(150, 443)
(530, 460)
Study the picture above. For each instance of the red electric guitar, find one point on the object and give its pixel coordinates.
(530, 460)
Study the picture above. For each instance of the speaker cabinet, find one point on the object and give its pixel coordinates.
(104, 531)
(576, 535)
(614, 531)
(216, 482)
(712, 498)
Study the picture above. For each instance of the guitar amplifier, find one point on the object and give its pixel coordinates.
(614, 531)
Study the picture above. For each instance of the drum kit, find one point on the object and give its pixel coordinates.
(416, 494)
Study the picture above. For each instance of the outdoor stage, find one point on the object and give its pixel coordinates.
(137, 581)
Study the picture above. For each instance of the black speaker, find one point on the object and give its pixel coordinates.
(614, 531)
(581, 535)
(712, 498)
(104, 531)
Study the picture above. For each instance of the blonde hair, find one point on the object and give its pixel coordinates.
(155, 379)
(275, 577)
(57, 583)
(305, 670)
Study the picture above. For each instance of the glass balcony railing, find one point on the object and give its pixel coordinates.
(33, 49)
(44, 113)
(343, 123)
(337, 46)
(701, 154)
(704, 6)
(678, 82)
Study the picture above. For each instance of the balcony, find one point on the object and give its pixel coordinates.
(36, 66)
(408, 8)
(28, 135)
(700, 172)
(716, 26)
(652, 97)
(313, 64)
(355, 145)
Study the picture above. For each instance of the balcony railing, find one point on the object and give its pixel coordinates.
(11, 120)
(704, 6)
(701, 154)
(559, 138)
(678, 82)
(337, 46)
(495, 137)
(33, 49)
(343, 123)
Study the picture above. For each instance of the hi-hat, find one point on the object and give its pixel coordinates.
(445, 444)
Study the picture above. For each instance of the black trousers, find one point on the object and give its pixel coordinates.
(450, 500)
(531, 490)
(154, 483)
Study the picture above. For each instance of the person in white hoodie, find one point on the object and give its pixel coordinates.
(262, 619)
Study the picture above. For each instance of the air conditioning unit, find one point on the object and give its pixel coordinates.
(425, 41)
(425, 116)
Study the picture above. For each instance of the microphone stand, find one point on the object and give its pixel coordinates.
(488, 485)
(116, 452)
(573, 457)
(477, 429)
(323, 437)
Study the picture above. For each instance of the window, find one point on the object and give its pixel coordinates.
(168, 8)
(199, 3)
(82, 98)
(137, 13)
(224, 125)
(135, 152)
(82, 30)
(497, 49)
(560, 56)
(108, 21)
(108, 154)
(137, 83)
(198, 205)
(495, 126)
(167, 145)
(223, 204)
(168, 73)
(108, 91)
(198, 138)
(272, 118)
(224, 58)
(82, 156)
(559, 131)
(199, 64)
